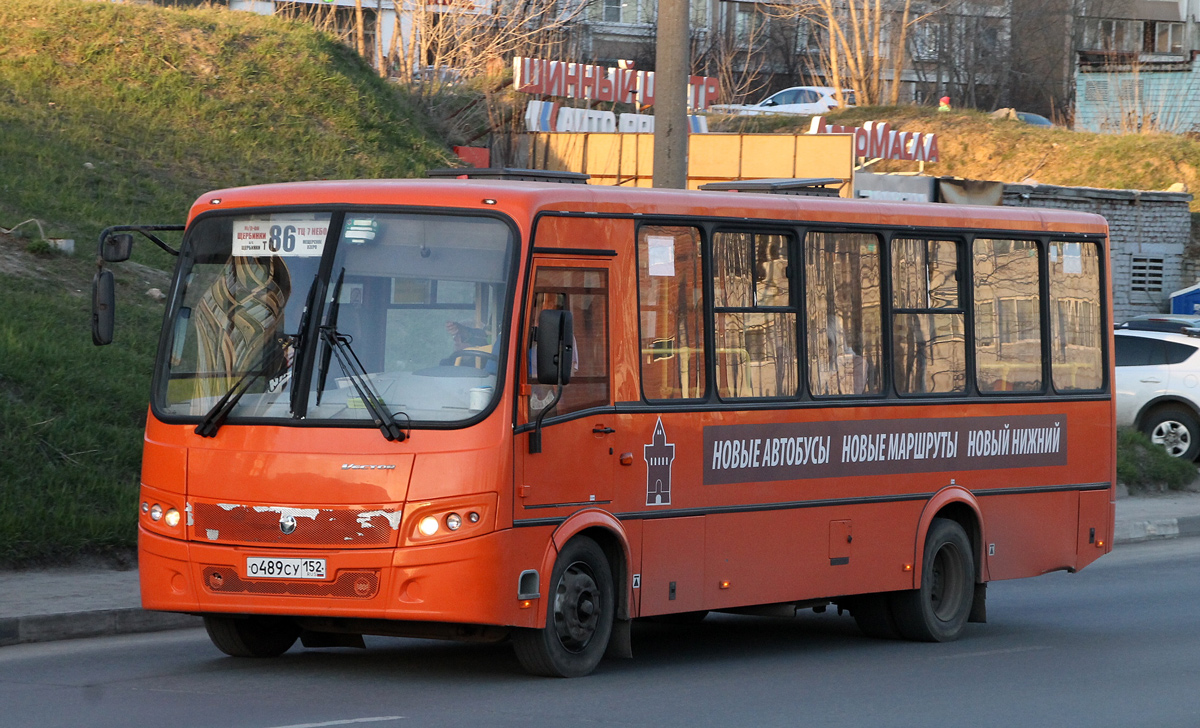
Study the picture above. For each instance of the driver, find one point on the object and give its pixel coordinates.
(466, 339)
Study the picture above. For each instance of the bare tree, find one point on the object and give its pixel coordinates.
(460, 39)
(860, 42)
(736, 51)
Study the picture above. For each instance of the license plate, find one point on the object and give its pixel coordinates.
(259, 568)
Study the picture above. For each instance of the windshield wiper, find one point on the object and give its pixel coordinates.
(339, 344)
(216, 416)
(298, 342)
(330, 322)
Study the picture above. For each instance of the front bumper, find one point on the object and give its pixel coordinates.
(472, 581)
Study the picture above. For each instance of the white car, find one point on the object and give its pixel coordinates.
(802, 100)
(1158, 388)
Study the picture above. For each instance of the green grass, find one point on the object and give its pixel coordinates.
(1142, 465)
(111, 114)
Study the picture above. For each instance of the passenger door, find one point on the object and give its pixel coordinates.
(576, 462)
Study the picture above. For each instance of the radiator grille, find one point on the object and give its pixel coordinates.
(347, 585)
(344, 527)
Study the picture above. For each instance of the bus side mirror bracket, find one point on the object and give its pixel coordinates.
(555, 341)
(116, 246)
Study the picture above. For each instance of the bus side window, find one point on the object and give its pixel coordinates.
(671, 313)
(1076, 355)
(755, 320)
(928, 342)
(844, 318)
(1008, 318)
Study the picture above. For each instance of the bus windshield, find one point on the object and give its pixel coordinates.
(416, 300)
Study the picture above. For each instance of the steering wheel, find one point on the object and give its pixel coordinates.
(463, 355)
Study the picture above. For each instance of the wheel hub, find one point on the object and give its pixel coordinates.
(1173, 436)
(576, 607)
(945, 591)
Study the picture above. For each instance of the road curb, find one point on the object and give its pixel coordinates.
(98, 623)
(1156, 529)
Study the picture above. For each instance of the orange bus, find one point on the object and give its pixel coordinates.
(486, 409)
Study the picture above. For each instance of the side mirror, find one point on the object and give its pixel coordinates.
(555, 341)
(117, 248)
(104, 300)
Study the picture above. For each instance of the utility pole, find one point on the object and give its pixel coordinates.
(672, 66)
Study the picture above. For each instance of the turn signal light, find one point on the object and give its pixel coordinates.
(908, 567)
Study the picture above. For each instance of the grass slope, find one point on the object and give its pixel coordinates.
(975, 146)
(115, 114)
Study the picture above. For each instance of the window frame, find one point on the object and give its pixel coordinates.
(794, 307)
(964, 308)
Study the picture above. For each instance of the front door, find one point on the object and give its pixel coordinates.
(576, 462)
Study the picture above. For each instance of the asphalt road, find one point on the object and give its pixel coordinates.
(1115, 645)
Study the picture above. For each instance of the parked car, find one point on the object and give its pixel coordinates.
(1174, 322)
(803, 100)
(1031, 118)
(1025, 116)
(1157, 387)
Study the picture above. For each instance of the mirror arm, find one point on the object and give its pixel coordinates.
(535, 437)
(145, 230)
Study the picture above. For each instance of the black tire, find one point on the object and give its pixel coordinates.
(938, 610)
(1176, 429)
(252, 637)
(579, 615)
(873, 615)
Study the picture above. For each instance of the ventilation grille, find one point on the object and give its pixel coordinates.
(1096, 91)
(1147, 274)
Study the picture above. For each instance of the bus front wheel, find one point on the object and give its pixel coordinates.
(938, 610)
(251, 637)
(579, 615)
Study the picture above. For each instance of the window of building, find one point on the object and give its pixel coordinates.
(1112, 34)
(671, 312)
(844, 320)
(1168, 37)
(1008, 346)
(925, 38)
(755, 320)
(928, 343)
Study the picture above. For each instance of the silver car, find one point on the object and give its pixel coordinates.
(1158, 388)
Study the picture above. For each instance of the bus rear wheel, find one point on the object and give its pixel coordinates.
(938, 610)
(253, 636)
(579, 616)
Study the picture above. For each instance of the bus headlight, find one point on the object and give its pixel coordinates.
(449, 519)
(156, 512)
(428, 526)
(171, 518)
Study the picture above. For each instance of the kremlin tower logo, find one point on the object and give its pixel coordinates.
(658, 454)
